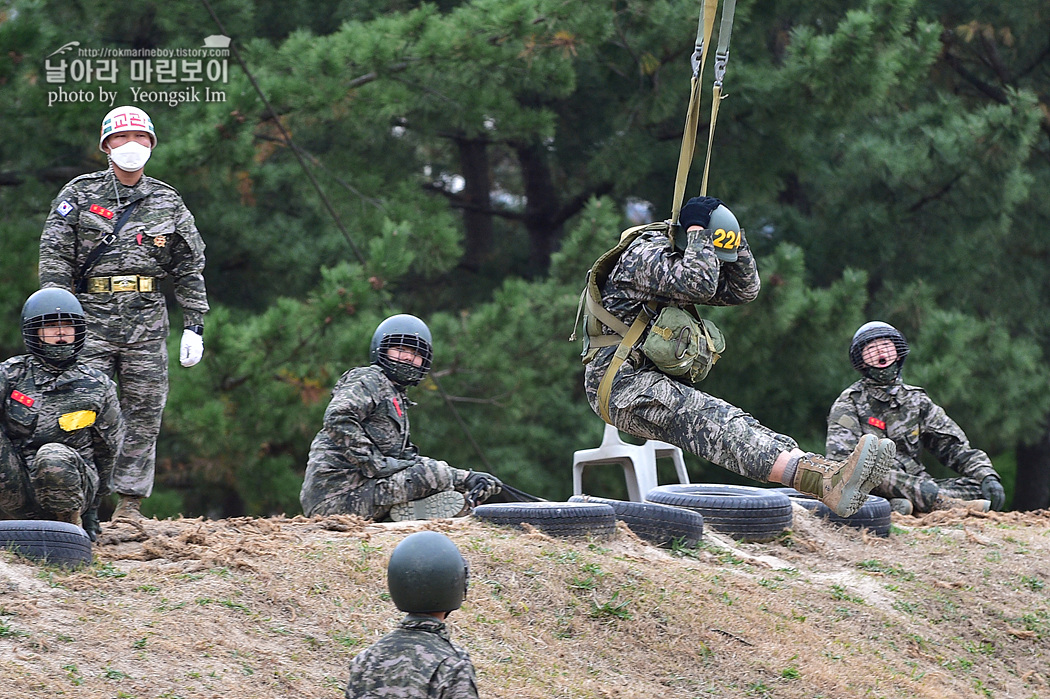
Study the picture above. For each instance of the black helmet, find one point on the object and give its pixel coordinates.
(427, 573)
(407, 331)
(876, 330)
(46, 306)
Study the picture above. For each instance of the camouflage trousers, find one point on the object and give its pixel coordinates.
(374, 498)
(901, 484)
(141, 371)
(57, 480)
(649, 404)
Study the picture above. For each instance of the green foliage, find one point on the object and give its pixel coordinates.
(886, 156)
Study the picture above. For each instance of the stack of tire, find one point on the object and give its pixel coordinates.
(743, 512)
(676, 514)
(560, 519)
(53, 543)
(661, 525)
(873, 515)
(585, 516)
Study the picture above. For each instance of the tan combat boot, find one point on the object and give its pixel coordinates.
(844, 485)
(943, 502)
(128, 507)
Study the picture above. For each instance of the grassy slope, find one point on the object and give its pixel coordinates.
(953, 605)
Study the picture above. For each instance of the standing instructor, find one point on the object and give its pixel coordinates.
(110, 237)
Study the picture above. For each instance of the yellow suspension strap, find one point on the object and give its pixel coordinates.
(725, 33)
(692, 118)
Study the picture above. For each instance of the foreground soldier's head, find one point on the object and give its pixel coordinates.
(427, 574)
(401, 348)
(878, 351)
(53, 327)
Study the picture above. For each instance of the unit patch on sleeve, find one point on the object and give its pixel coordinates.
(64, 208)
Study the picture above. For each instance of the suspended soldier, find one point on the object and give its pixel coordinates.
(428, 578)
(60, 421)
(362, 462)
(646, 346)
(111, 237)
(881, 404)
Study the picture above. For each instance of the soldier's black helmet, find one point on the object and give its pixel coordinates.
(875, 330)
(427, 573)
(402, 330)
(46, 306)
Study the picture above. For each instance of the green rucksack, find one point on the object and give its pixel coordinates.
(683, 346)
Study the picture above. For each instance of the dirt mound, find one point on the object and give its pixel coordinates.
(955, 604)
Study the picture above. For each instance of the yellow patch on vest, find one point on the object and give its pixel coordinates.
(77, 420)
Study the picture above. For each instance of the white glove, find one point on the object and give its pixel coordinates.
(192, 348)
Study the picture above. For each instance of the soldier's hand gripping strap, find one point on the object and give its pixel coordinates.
(100, 249)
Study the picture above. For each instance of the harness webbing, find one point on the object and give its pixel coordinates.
(623, 350)
(725, 33)
(692, 118)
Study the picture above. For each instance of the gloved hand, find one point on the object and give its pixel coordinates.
(89, 520)
(192, 348)
(697, 212)
(481, 486)
(992, 490)
(929, 491)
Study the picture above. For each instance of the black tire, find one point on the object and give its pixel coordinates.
(563, 519)
(873, 515)
(54, 543)
(743, 512)
(658, 524)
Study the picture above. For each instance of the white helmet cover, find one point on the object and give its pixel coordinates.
(126, 118)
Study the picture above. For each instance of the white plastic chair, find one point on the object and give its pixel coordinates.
(638, 461)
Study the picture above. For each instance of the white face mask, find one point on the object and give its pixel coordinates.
(130, 157)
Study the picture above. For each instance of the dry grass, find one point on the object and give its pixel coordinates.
(952, 605)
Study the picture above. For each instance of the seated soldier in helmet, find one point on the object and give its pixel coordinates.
(427, 577)
(60, 422)
(363, 463)
(881, 404)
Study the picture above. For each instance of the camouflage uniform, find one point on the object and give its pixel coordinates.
(416, 661)
(127, 329)
(60, 434)
(906, 415)
(362, 461)
(648, 403)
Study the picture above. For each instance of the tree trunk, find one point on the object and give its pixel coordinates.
(541, 206)
(1032, 488)
(476, 200)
